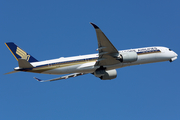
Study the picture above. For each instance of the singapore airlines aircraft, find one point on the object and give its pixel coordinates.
(102, 65)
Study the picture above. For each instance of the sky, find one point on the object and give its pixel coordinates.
(54, 29)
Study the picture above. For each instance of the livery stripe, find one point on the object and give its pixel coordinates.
(59, 65)
(148, 52)
(46, 67)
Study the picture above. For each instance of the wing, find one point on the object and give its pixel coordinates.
(60, 78)
(107, 52)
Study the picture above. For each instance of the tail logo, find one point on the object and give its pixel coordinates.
(23, 54)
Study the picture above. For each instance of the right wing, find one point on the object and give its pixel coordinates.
(107, 52)
(60, 78)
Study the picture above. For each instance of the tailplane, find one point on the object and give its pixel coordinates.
(19, 53)
(23, 66)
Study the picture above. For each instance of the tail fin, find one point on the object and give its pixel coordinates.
(19, 53)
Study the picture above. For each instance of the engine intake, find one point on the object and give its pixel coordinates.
(127, 57)
(105, 74)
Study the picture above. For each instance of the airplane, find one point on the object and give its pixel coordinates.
(102, 65)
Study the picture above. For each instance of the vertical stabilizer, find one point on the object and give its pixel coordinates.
(19, 53)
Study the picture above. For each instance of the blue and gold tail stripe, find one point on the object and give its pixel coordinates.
(11, 48)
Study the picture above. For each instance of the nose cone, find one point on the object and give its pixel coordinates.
(175, 54)
(174, 57)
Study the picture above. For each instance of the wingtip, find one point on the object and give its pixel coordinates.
(94, 25)
(38, 79)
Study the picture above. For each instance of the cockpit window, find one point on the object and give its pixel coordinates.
(170, 50)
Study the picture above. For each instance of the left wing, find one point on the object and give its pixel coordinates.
(107, 52)
(60, 78)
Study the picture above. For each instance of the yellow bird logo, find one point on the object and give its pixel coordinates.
(23, 54)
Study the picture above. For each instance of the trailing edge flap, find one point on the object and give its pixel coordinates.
(24, 64)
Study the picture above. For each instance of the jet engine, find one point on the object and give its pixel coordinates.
(105, 74)
(126, 57)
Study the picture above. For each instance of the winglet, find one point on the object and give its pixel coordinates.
(38, 79)
(95, 26)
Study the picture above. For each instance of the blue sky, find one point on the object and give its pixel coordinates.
(53, 29)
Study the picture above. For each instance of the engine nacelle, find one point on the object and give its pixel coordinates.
(105, 74)
(126, 57)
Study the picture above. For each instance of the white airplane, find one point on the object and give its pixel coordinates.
(102, 65)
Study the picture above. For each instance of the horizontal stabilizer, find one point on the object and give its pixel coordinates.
(60, 78)
(24, 64)
(11, 72)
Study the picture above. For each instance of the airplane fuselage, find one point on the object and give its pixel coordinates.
(86, 63)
